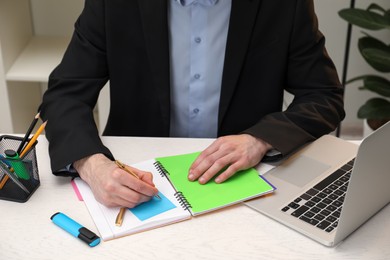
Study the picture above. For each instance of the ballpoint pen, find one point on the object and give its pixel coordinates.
(121, 214)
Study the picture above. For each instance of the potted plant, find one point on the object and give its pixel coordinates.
(377, 54)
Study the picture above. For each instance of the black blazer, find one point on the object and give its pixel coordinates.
(272, 46)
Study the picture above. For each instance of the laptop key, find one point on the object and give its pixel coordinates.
(285, 209)
(309, 214)
(306, 196)
(300, 211)
(339, 192)
(315, 199)
(331, 219)
(333, 197)
(322, 195)
(319, 217)
(329, 229)
(297, 200)
(327, 191)
(315, 210)
(343, 188)
(293, 205)
(309, 220)
(325, 212)
(312, 192)
(324, 224)
(337, 203)
(331, 208)
(336, 214)
(310, 204)
(321, 205)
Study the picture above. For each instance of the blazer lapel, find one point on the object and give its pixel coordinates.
(154, 15)
(242, 19)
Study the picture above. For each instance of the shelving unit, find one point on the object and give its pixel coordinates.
(38, 59)
(33, 37)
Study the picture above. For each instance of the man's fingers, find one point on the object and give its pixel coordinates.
(229, 172)
(138, 185)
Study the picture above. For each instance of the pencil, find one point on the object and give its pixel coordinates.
(3, 181)
(33, 139)
(32, 125)
(121, 214)
(5, 177)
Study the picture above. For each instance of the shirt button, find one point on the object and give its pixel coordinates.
(198, 39)
(196, 110)
(197, 76)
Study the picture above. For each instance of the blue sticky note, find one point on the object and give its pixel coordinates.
(153, 207)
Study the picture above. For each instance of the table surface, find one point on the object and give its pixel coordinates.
(236, 232)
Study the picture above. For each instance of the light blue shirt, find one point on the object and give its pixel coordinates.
(198, 33)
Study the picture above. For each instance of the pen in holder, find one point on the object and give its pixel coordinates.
(18, 175)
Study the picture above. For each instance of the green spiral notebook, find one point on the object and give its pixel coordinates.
(180, 198)
(199, 198)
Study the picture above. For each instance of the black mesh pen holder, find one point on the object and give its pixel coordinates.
(19, 176)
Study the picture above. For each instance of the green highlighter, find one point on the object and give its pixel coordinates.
(18, 165)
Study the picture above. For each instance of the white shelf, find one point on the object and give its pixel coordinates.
(38, 59)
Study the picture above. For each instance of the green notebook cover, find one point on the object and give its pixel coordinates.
(242, 186)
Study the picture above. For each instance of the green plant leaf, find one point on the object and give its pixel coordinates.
(375, 52)
(378, 85)
(365, 18)
(387, 15)
(378, 59)
(371, 42)
(376, 7)
(359, 78)
(375, 108)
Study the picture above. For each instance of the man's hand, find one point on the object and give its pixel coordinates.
(234, 152)
(113, 186)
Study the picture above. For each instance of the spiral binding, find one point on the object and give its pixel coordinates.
(182, 200)
(178, 195)
(160, 168)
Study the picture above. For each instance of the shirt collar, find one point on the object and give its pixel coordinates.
(203, 2)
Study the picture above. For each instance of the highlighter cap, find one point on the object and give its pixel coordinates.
(11, 153)
(89, 237)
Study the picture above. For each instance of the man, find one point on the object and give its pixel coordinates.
(190, 68)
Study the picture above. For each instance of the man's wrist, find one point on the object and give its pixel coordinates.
(87, 164)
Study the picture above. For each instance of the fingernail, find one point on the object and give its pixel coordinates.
(191, 177)
(218, 180)
(202, 180)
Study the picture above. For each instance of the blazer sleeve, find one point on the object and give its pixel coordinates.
(73, 91)
(317, 107)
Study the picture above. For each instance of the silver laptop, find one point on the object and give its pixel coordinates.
(330, 187)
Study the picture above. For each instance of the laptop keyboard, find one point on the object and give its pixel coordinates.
(321, 205)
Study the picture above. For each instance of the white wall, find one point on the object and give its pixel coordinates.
(334, 29)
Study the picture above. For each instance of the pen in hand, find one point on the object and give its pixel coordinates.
(119, 218)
